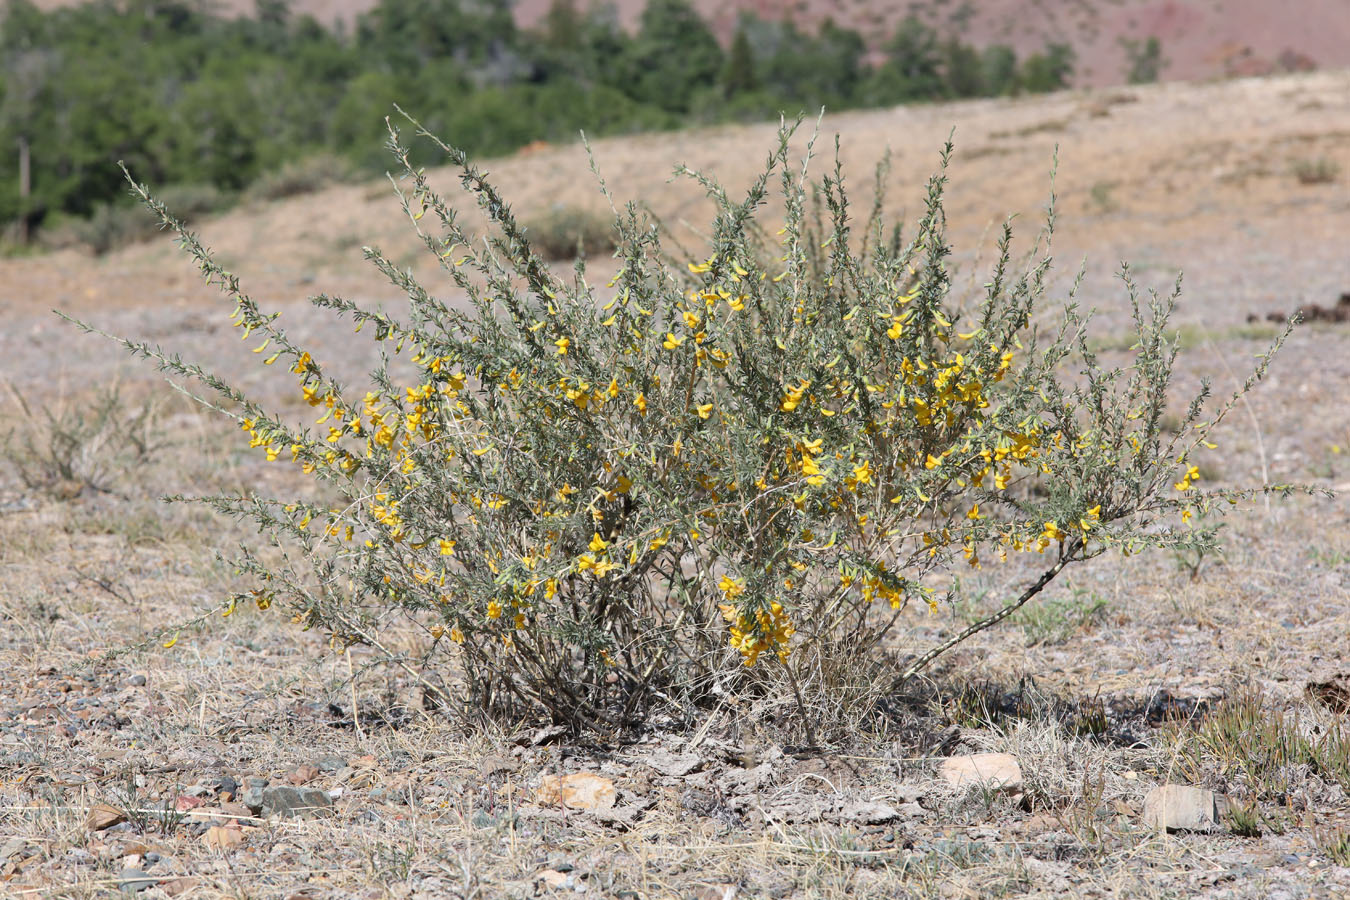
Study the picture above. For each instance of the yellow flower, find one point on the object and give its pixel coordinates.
(447, 547)
(793, 398)
(597, 543)
(704, 410)
(563, 344)
(456, 635)
(731, 588)
(671, 341)
(640, 401)
(494, 610)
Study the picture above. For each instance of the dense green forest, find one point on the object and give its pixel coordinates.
(201, 102)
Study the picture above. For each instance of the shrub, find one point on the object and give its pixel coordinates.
(115, 225)
(564, 230)
(1316, 171)
(306, 176)
(81, 444)
(706, 480)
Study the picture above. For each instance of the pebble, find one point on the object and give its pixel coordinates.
(136, 681)
(133, 881)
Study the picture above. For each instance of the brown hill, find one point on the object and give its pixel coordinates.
(1200, 40)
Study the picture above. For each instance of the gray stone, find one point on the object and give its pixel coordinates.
(675, 765)
(252, 796)
(133, 881)
(136, 681)
(1179, 807)
(330, 764)
(868, 812)
(293, 802)
(13, 848)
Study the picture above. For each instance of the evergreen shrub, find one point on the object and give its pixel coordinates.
(703, 480)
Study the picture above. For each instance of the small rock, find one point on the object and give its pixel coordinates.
(388, 794)
(293, 802)
(910, 793)
(867, 812)
(222, 837)
(581, 790)
(330, 764)
(303, 775)
(226, 785)
(621, 817)
(136, 681)
(1039, 824)
(543, 735)
(998, 771)
(209, 814)
(102, 816)
(13, 848)
(1179, 807)
(236, 810)
(800, 809)
(175, 886)
(133, 881)
(674, 765)
(747, 781)
(554, 880)
(184, 802)
(252, 797)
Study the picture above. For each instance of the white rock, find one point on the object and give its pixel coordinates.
(1178, 807)
(998, 771)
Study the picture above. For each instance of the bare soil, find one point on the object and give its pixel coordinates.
(1098, 691)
